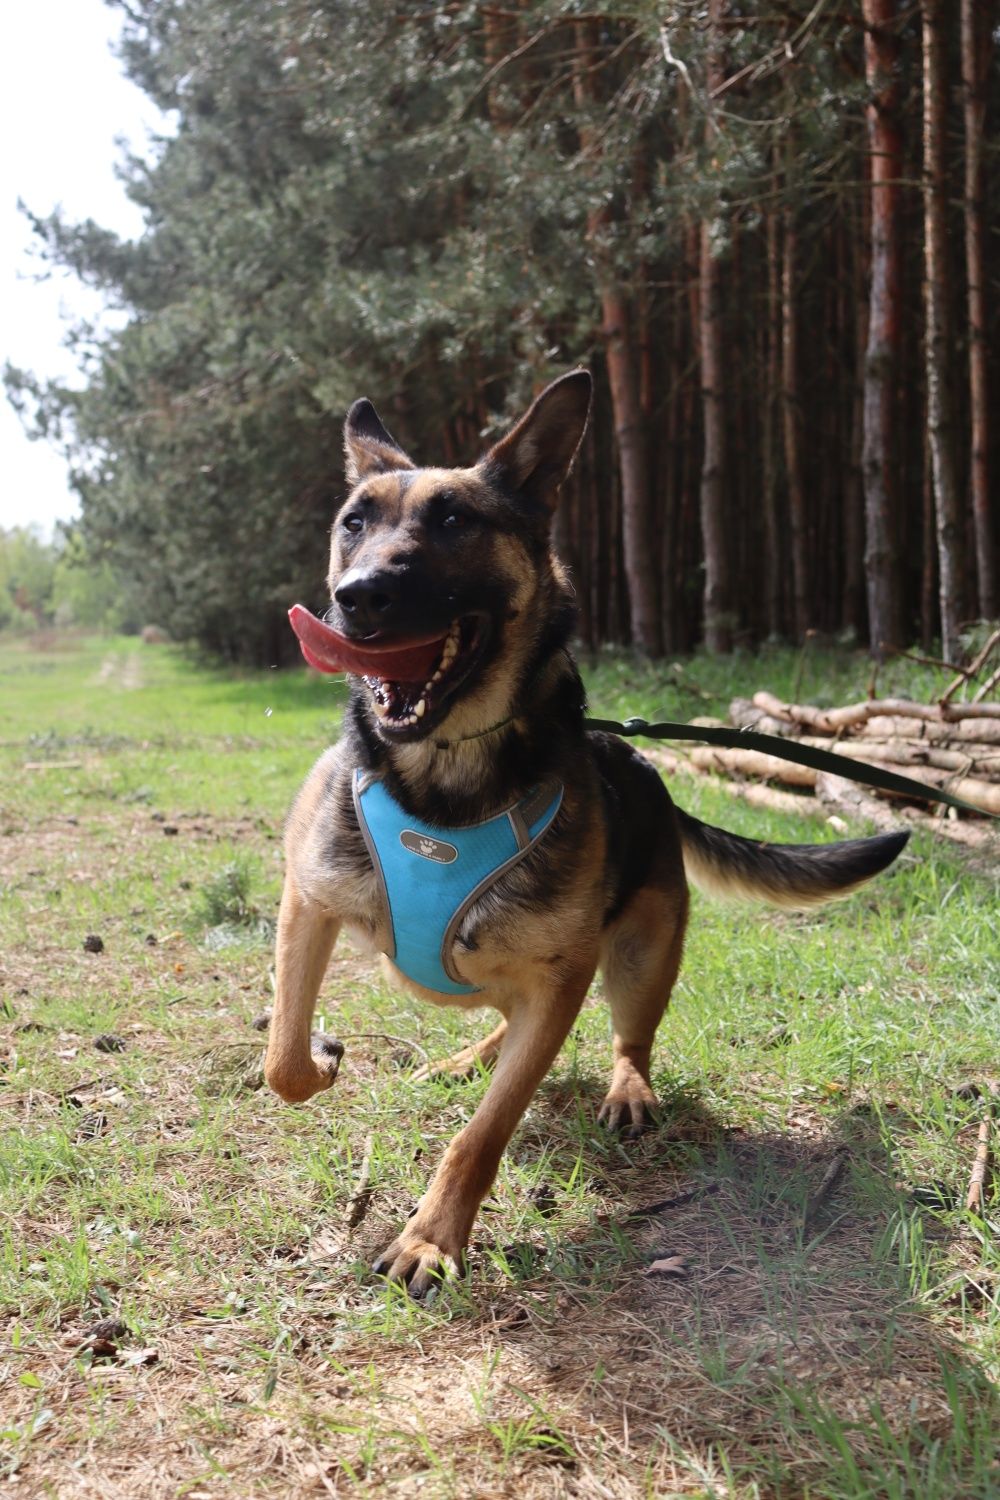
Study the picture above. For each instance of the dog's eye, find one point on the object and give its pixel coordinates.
(354, 522)
(454, 519)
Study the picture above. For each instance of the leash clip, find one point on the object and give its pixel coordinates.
(635, 726)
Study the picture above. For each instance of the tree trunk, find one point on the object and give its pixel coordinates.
(884, 328)
(630, 433)
(854, 521)
(500, 39)
(717, 605)
(622, 363)
(939, 331)
(769, 436)
(977, 26)
(716, 601)
(791, 423)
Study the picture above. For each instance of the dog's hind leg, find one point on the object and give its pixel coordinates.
(640, 959)
(466, 1064)
(299, 1064)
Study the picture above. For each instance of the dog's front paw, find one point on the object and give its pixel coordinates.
(327, 1053)
(295, 1081)
(421, 1260)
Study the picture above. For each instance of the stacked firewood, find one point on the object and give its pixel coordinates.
(949, 744)
(956, 748)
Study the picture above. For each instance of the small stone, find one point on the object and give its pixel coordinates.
(261, 1022)
(150, 939)
(93, 944)
(171, 830)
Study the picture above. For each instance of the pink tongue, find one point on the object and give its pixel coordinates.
(327, 651)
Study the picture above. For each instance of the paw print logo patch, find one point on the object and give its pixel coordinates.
(436, 849)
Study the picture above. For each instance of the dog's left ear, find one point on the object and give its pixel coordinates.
(368, 448)
(535, 456)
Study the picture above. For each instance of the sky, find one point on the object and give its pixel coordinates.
(64, 104)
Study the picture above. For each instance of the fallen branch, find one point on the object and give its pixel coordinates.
(828, 1182)
(975, 1198)
(991, 682)
(653, 1210)
(973, 669)
(357, 1203)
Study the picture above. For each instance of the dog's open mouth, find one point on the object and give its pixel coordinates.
(408, 705)
(410, 678)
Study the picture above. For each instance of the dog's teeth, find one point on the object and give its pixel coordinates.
(420, 708)
(435, 678)
(381, 709)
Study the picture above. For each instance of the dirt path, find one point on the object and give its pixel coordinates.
(121, 671)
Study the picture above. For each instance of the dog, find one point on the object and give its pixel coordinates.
(454, 618)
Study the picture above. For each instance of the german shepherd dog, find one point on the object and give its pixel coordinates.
(461, 558)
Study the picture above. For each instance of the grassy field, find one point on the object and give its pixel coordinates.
(834, 1343)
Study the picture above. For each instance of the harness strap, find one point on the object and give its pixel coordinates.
(802, 755)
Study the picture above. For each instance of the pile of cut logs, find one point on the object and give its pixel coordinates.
(955, 745)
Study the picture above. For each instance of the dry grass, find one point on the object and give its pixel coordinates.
(831, 1348)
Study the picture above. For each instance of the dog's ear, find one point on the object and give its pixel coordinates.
(368, 448)
(535, 456)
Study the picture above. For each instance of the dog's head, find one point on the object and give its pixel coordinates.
(456, 561)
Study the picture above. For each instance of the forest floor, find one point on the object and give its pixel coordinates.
(832, 1331)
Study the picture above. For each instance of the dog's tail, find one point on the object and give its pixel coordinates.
(792, 875)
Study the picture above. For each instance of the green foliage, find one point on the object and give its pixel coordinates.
(27, 577)
(87, 590)
(395, 200)
(337, 210)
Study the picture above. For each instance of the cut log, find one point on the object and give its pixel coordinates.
(753, 763)
(966, 731)
(855, 801)
(746, 715)
(978, 760)
(754, 792)
(835, 720)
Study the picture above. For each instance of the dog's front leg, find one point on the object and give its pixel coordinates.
(434, 1240)
(298, 1064)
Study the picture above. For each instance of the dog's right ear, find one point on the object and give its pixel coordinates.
(368, 448)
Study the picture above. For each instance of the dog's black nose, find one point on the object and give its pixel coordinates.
(367, 599)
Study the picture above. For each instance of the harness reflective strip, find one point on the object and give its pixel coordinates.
(431, 876)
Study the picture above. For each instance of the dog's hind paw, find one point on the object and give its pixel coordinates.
(630, 1113)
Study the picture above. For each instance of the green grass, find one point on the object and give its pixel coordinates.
(843, 1353)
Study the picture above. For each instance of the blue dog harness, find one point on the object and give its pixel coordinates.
(431, 876)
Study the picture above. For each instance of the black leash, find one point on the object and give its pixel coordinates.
(802, 755)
